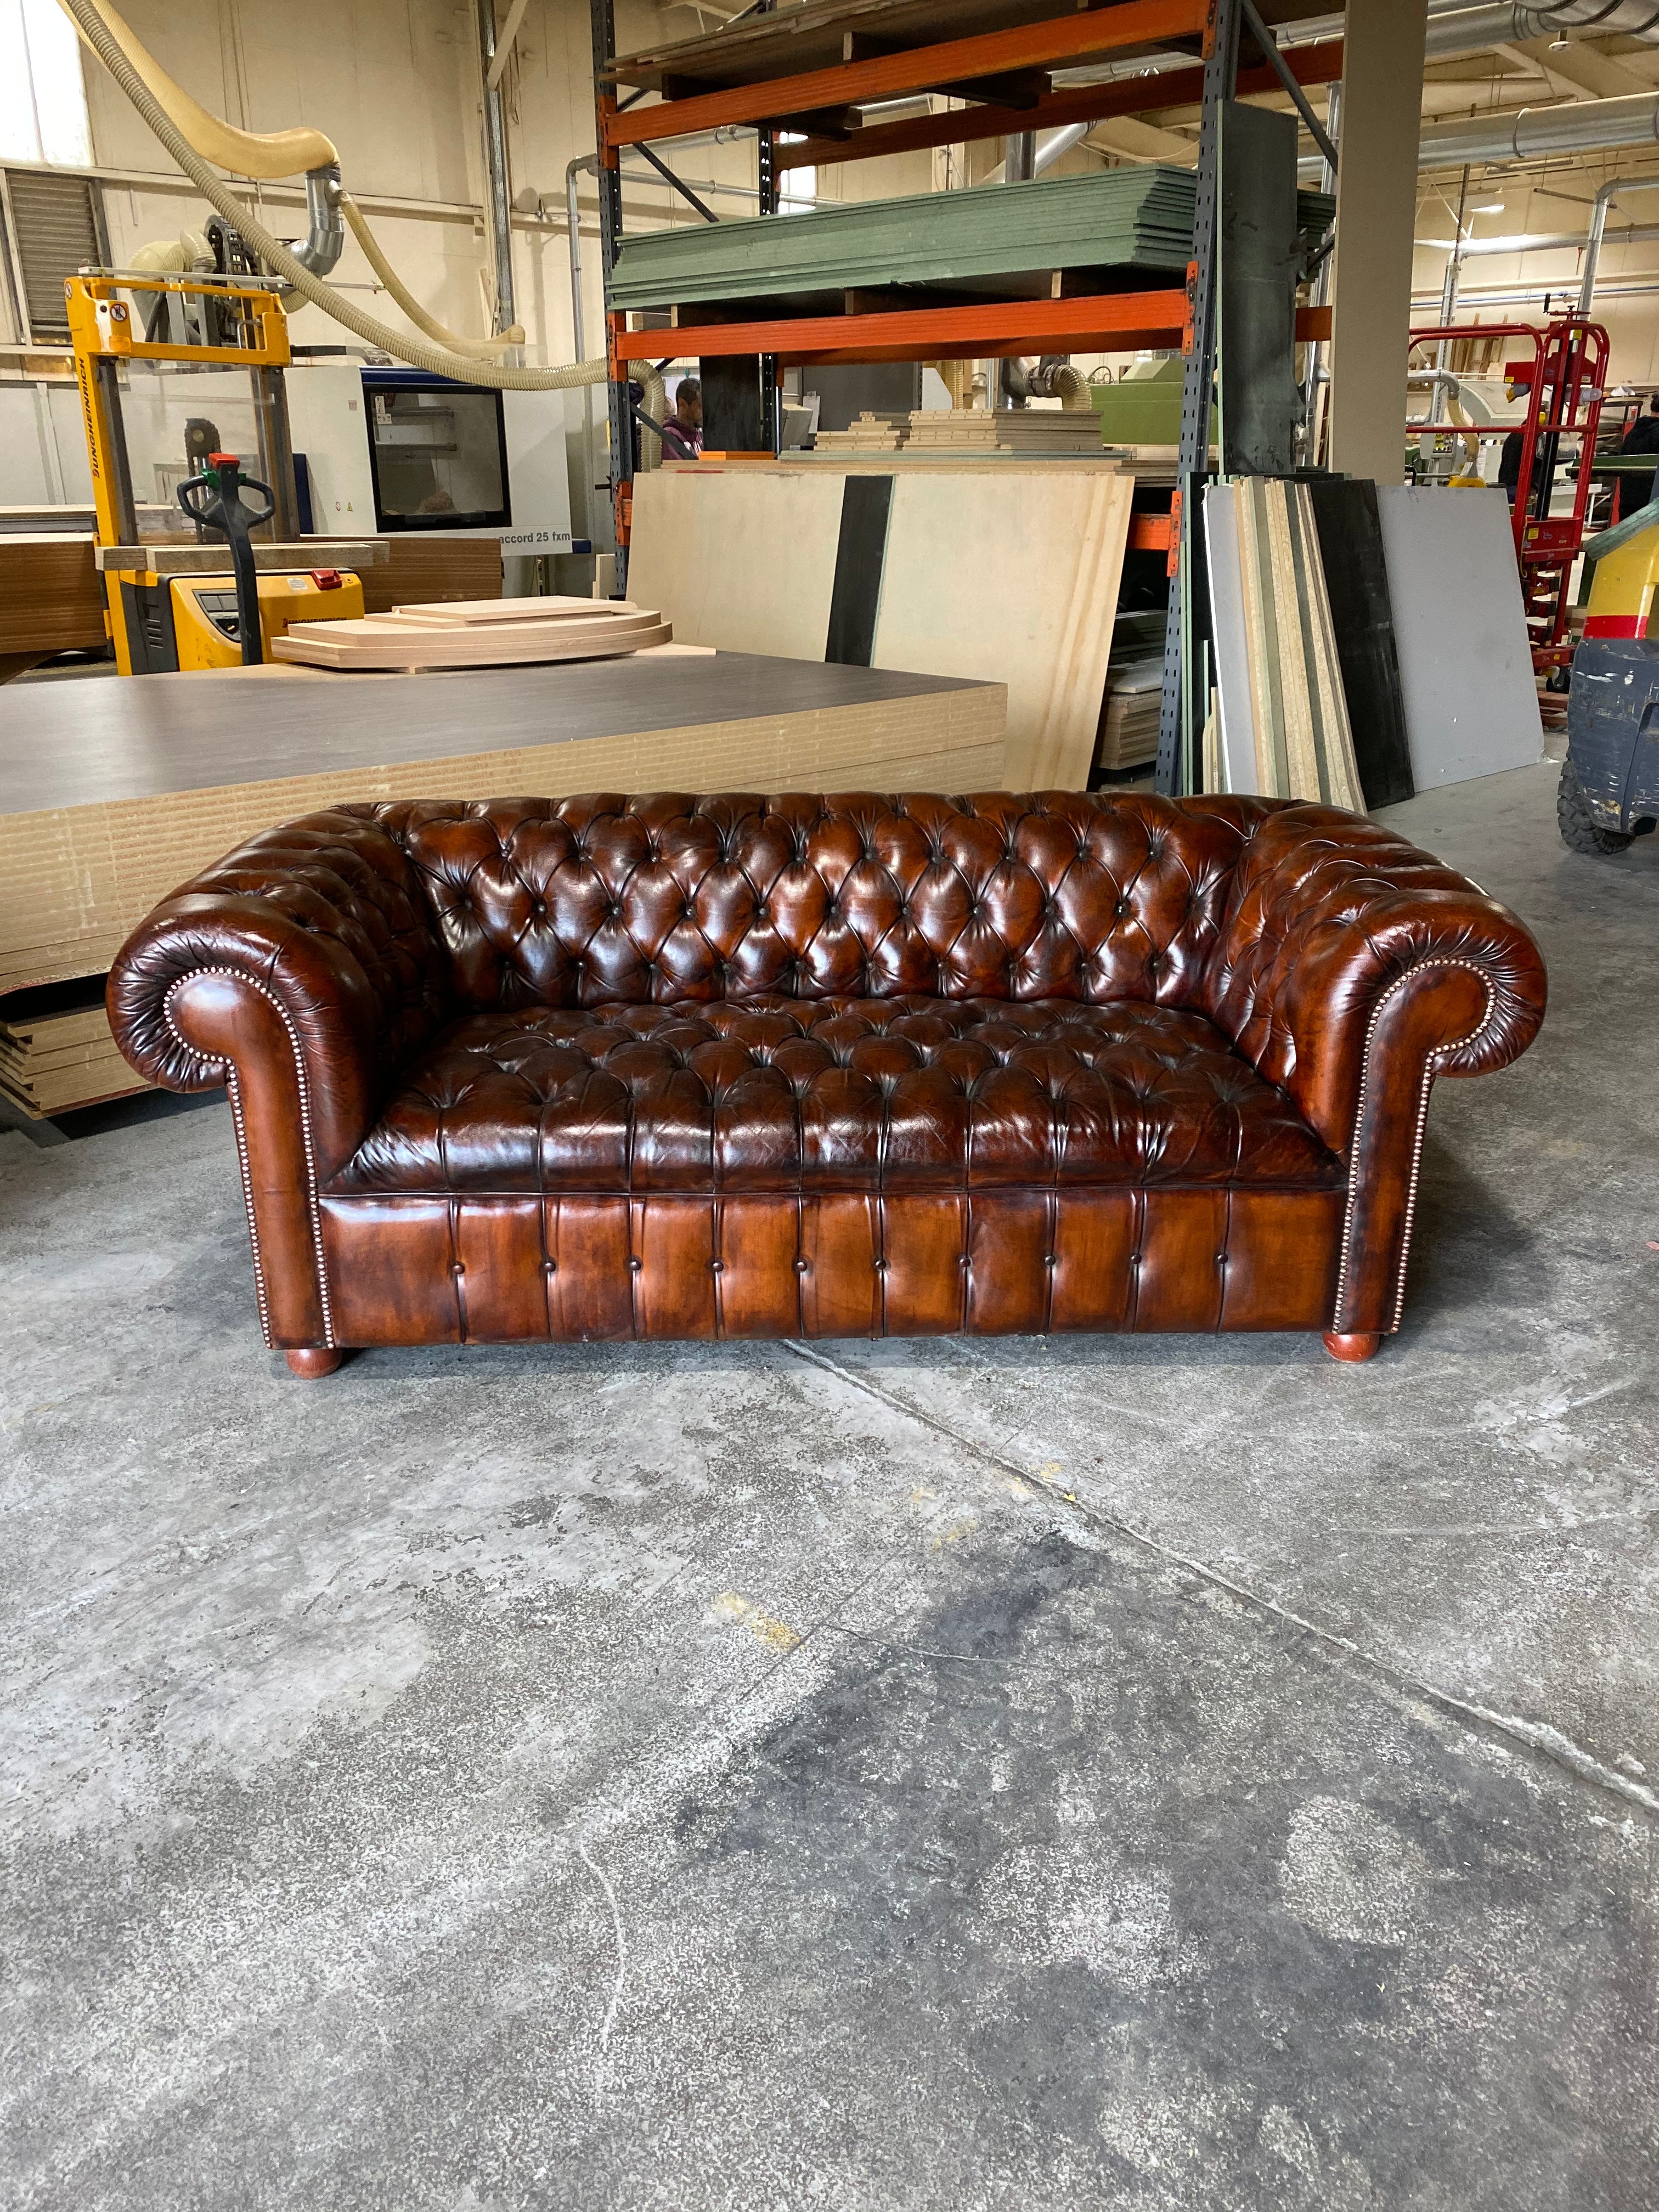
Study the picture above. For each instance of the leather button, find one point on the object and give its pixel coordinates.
(635, 1265)
(718, 1265)
(456, 1269)
(550, 1266)
(803, 1267)
(1122, 910)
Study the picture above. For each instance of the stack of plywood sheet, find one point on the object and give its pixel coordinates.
(1139, 216)
(1283, 721)
(1129, 718)
(476, 633)
(51, 1063)
(1007, 571)
(969, 430)
(52, 599)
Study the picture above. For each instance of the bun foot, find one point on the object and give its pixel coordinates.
(315, 1359)
(1361, 1345)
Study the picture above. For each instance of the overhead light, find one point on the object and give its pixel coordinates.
(1492, 207)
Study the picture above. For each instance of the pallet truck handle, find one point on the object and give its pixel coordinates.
(218, 505)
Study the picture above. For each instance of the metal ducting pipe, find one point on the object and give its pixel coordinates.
(1049, 151)
(1454, 28)
(1583, 126)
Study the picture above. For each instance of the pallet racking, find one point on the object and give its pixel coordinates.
(807, 71)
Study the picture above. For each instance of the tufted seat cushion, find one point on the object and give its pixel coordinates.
(775, 1094)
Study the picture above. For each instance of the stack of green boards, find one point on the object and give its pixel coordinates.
(1139, 218)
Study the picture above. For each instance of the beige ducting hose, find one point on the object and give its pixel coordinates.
(411, 306)
(282, 154)
(1072, 387)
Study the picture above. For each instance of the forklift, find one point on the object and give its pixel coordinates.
(203, 580)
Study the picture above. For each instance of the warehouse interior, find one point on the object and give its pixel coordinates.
(777, 1431)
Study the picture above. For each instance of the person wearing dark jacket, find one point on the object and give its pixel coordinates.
(1642, 437)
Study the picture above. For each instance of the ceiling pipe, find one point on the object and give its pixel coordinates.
(1582, 126)
(1526, 134)
(1049, 151)
(1598, 224)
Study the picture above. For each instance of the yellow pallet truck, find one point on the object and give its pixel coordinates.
(179, 601)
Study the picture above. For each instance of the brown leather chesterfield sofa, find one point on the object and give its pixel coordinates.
(609, 1068)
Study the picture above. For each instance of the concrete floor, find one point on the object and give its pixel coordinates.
(1146, 1773)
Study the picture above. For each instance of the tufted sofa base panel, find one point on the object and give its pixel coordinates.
(447, 1270)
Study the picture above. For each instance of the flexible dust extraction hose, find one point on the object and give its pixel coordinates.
(1070, 387)
(315, 152)
(472, 347)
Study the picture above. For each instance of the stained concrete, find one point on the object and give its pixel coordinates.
(1146, 1773)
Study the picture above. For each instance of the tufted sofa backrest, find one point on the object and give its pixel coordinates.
(1062, 894)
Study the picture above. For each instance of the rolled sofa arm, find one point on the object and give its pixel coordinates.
(300, 971)
(1352, 970)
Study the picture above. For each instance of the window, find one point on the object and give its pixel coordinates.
(43, 98)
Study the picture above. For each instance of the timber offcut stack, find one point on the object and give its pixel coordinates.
(1132, 218)
(969, 430)
(51, 1062)
(1129, 716)
(869, 433)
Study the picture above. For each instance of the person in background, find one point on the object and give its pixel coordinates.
(1642, 437)
(1508, 464)
(683, 431)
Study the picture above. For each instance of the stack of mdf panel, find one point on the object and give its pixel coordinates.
(1129, 718)
(969, 430)
(1136, 217)
(51, 1063)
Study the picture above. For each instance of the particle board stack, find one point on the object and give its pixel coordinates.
(52, 1063)
(113, 794)
(1129, 718)
(970, 430)
(1134, 217)
(476, 633)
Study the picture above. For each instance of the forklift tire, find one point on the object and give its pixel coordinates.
(1580, 831)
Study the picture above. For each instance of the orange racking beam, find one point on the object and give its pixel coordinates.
(1061, 43)
(1150, 533)
(1083, 103)
(1116, 322)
